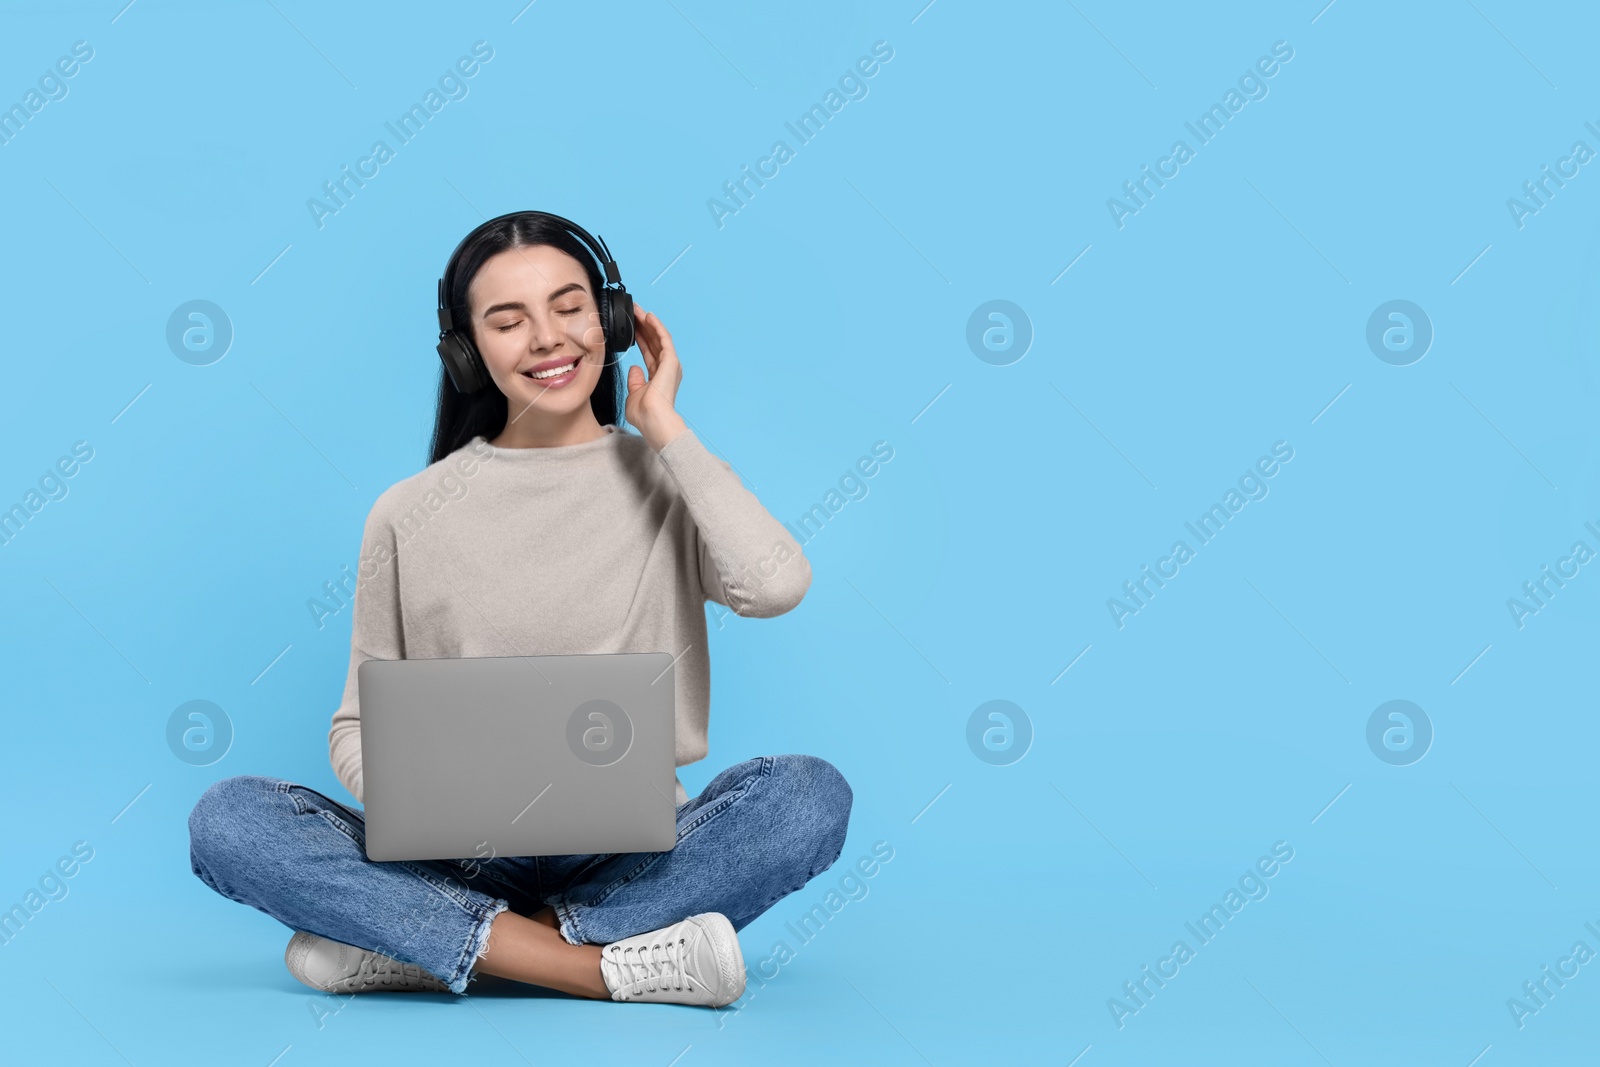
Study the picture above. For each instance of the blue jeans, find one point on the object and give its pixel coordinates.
(758, 831)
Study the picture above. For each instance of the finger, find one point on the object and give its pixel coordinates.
(645, 331)
(660, 341)
(664, 343)
(647, 349)
(643, 341)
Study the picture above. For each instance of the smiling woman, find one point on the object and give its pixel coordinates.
(523, 314)
(579, 538)
(516, 318)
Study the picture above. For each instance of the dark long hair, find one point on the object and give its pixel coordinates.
(463, 416)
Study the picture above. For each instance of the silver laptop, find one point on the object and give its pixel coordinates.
(517, 756)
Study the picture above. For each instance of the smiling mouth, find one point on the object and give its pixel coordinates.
(553, 372)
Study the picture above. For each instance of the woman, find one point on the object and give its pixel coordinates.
(564, 534)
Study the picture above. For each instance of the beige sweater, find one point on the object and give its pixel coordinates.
(604, 546)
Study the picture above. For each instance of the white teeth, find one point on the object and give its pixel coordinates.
(553, 372)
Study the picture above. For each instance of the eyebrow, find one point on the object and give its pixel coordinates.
(517, 305)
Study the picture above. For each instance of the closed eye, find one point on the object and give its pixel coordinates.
(561, 311)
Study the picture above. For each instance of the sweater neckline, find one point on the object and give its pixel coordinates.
(536, 455)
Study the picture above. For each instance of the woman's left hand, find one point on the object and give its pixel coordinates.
(649, 405)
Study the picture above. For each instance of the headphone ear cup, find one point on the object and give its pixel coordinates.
(606, 332)
(462, 363)
(619, 317)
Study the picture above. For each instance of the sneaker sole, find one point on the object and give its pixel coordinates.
(300, 946)
(294, 958)
(730, 964)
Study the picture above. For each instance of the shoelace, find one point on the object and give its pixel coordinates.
(376, 969)
(658, 965)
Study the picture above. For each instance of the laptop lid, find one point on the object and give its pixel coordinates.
(478, 757)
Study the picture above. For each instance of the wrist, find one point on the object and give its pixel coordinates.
(660, 436)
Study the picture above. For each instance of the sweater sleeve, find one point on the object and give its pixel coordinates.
(375, 633)
(748, 560)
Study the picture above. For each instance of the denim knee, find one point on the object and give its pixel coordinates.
(219, 825)
(817, 799)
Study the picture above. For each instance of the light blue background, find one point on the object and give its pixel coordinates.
(1228, 314)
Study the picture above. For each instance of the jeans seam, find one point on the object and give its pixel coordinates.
(340, 825)
(431, 877)
(567, 917)
(722, 804)
(709, 812)
(476, 945)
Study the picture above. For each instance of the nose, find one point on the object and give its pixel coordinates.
(546, 333)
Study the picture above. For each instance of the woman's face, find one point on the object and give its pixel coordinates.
(532, 312)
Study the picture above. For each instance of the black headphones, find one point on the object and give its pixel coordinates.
(461, 357)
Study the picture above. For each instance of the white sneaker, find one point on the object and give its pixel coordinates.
(696, 961)
(334, 967)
